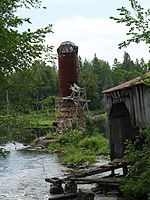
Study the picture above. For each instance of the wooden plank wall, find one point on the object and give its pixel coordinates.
(137, 101)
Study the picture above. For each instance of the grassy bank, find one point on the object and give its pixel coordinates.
(77, 147)
(40, 119)
(23, 127)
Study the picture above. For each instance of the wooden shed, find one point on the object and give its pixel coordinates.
(128, 107)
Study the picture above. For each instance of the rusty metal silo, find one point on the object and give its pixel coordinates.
(68, 62)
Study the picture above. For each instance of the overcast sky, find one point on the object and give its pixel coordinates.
(86, 23)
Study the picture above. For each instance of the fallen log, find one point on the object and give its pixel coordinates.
(106, 180)
(52, 180)
(101, 169)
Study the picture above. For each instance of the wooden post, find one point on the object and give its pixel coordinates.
(125, 170)
(70, 187)
(56, 186)
(112, 172)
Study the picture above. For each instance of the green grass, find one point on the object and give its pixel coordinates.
(97, 144)
(40, 120)
(76, 155)
(78, 147)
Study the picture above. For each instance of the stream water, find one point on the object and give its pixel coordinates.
(23, 173)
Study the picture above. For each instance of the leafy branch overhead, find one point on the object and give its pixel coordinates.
(138, 21)
(19, 49)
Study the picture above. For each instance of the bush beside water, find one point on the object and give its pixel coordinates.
(78, 147)
(137, 185)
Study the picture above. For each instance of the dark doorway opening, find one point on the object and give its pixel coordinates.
(120, 129)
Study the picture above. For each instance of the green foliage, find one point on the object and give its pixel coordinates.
(19, 49)
(146, 79)
(48, 104)
(20, 82)
(103, 71)
(3, 126)
(138, 154)
(55, 146)
(3, 152)
(39, 120)
(97, 144)
(76, 155)
(96, 76)
(72, 137)
(138, 22)
(137, 186)
(28, 89)
(89, 80)
(79, 147)
(13, 127)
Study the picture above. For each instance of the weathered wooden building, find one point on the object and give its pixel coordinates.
(128, 107)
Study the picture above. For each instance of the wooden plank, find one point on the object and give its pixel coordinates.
(100, 181)
(98, 170)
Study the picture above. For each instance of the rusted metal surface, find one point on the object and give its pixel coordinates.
(67, 47)
(68, 62)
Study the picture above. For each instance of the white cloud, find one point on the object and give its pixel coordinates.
(95, 35)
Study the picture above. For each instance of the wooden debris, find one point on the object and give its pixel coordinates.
(64, 196)
(52, 180)
(70, 187)
(85, 194)
(56, 186)
(105, 183)
(98, 170)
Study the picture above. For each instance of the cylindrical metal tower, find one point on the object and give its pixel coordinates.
(68, 62)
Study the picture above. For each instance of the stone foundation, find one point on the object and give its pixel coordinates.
(66, 116)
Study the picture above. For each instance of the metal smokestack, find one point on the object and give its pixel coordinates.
(68, 62)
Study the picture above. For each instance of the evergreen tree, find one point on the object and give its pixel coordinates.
(89, 80)
(127, 64)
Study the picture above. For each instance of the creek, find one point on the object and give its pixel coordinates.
(23, 173)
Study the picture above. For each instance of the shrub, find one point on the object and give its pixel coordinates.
(76, 155)
(72, 137)
(79, 147)
(138, 154)
(97, 144)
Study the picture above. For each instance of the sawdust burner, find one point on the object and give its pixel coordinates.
(68, 62)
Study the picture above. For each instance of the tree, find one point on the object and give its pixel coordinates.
(89, 80)
(19, 49)
(127, 64)
(138, 151)
(138, 22)
(100, 79)
(102, 69)
(28, 87)
(80, 62)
